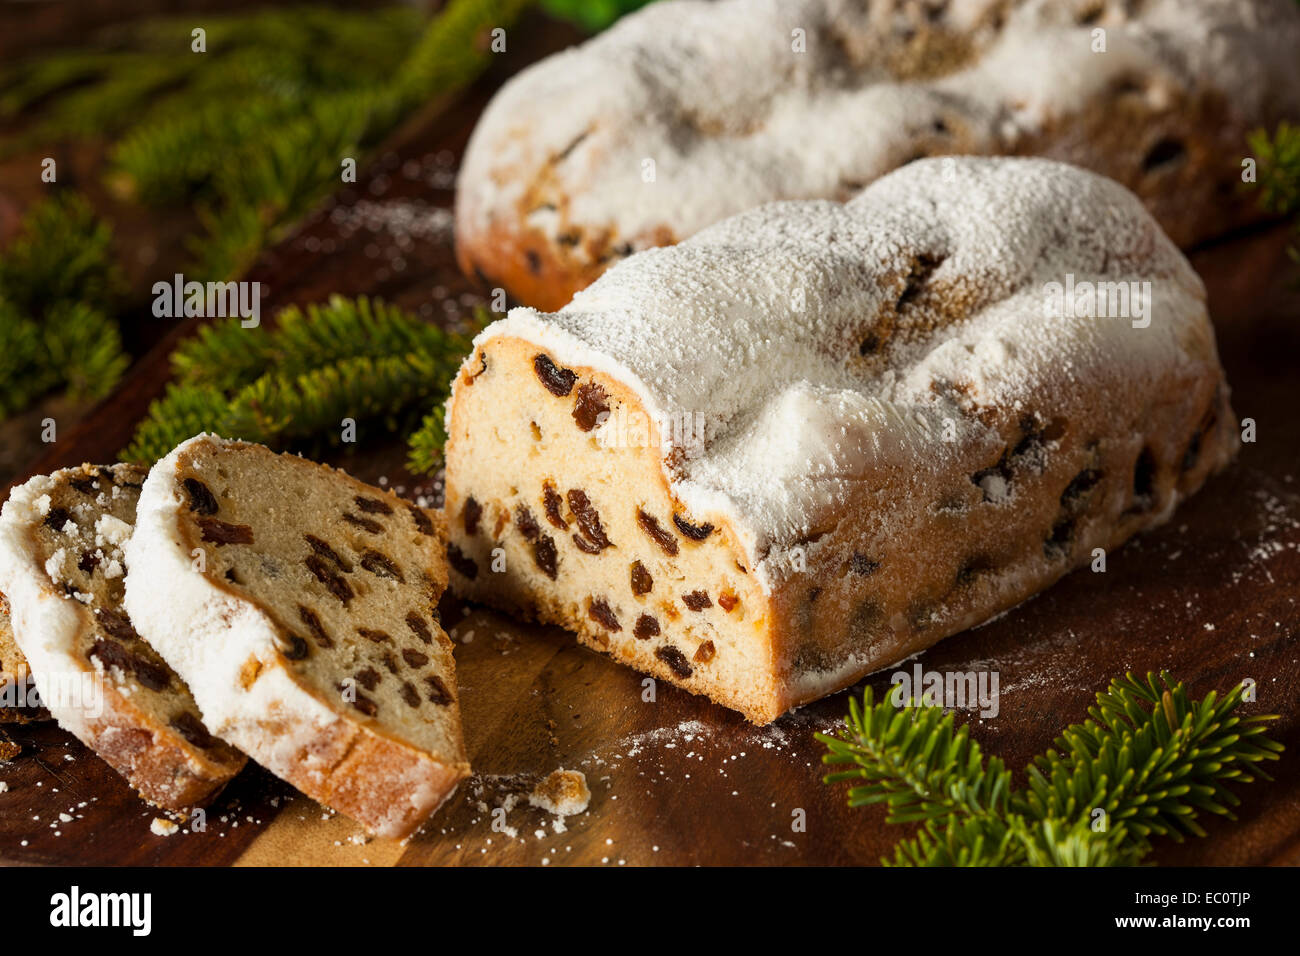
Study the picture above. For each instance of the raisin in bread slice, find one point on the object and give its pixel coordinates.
(61, 541)
(656, 128)
(301, 605)
(17, 689)
(818, 438)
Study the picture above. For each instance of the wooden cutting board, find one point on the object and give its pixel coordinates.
(1212, 597)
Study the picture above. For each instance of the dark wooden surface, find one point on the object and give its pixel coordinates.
(1212, 597)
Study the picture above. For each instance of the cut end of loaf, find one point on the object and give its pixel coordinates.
(546, 520)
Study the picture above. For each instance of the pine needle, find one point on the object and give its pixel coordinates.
(292, 383)
(1147, 763)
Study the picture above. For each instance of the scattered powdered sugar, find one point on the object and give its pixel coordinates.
(761, 325)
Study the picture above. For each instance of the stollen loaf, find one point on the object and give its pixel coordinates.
(816, 438)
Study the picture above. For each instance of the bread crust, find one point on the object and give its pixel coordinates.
(248, 692)
(551, 190)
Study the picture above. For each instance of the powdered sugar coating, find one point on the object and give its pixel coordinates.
(740, 102)
(759, 325)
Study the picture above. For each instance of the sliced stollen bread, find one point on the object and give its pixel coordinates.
(300, 604)
(61, 539)
(16, 684)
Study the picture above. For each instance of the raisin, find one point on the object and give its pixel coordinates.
(327, 576)
(1192, 455)
(112, 654)
(116, 624)
(603, 614)
(972, 569)
(325, 551)
(642, 582)
(294, 647)
(544, 554)
(462, 563)
(391, 663)
(56, 518)
(694, 532)
(922, 268)
(553, 504)
(591, 407)
(526, 523)
(697, 600)
(365, 524)
(657, 534)
(410, 695)
(223, 532)
(414, 658)
(646, 627)
(314, 625)
(378, 563)
(1076, 494)
(1144, 478)
(88, 561)
(438, 693)
(861, 564)
(202, 500)
(675, 660)
(85, 485)
(1057, 544)
(470, 514)
(728, 601)
(588, 519)
(558, 381)
(419, 628)
(368, 678)
(192, 729)
(373, 506)
(366, 705)
(375, 635)
(423, 523)
(482, 358)
(152, 675)
(705, 652)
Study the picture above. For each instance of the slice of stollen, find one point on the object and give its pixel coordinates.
(300, 604)
(16, 685)
(61, 539)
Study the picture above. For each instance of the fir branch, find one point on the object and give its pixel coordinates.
(291, 384)
(1278, 168)
(182, 412)
(1148, 757)
(916, 761)
(1151, 759)
(455, 48)
(62, 254)
(592, 15)
(57, 278)
(425, 447)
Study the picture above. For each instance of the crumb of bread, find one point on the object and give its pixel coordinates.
(563, 792)
(162, 827)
